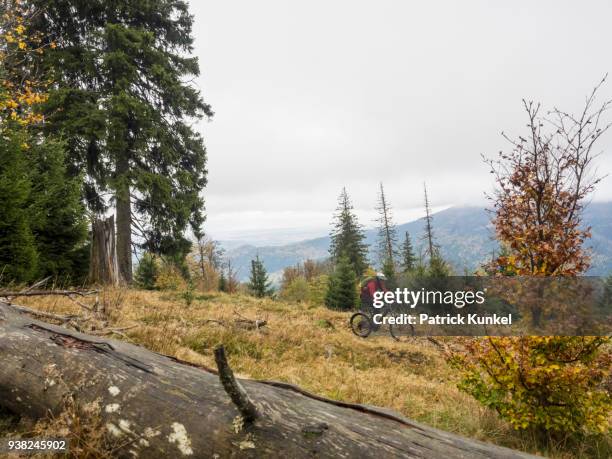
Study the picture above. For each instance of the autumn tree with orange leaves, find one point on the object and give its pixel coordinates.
(556, 386)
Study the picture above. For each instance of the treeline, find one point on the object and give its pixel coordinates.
(397, 259)
(96, 114)
(334, 282)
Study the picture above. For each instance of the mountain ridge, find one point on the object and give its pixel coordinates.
(464, 234)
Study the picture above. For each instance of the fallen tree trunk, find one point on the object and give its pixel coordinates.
(159, 407)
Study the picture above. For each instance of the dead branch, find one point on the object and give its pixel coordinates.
(233, 388)
(44, 315)
(249, 324)
(6, 294)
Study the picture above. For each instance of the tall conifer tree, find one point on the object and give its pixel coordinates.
(347, 236)
(122, 103)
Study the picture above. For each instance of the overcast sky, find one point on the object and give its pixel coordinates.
(313, 96)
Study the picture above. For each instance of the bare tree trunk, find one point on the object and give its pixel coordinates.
(428, 226)
(124, 221)
(156, 406)
(103, 269)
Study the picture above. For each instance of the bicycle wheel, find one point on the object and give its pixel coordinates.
(361, 325)
(401, 332)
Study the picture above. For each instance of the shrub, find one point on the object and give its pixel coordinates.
(553, 385)
(296, 290)
(318, 289)
(170, 277)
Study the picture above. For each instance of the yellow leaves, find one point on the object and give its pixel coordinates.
(21, 90)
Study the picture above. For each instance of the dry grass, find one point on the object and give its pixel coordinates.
(313, 348)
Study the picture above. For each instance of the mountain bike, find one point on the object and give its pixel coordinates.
(362, 324)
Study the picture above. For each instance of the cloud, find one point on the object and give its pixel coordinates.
(313, 96)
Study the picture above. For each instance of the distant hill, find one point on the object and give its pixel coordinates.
(464, 234)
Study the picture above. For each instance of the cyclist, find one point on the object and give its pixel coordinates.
(369, 286)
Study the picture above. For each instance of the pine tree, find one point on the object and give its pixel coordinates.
(408, 256)
(259, 284)
(341, 289)
(123, 103)
(387, 236)
(347, 236)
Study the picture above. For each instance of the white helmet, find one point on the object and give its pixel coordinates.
(381, 276)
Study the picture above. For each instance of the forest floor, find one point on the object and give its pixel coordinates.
(312, 347)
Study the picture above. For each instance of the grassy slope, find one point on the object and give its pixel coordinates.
(313, 348)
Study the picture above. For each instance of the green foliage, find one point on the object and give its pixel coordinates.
(347, 236)
(408, 262)
(188, 294)
(258, 281)
(342, 286)
(388, 269)
(437, 266)
(297, 290)
(18, 254)
(147, 271)
(318, 289)
(43, 229)
(57, 214)
(551, 384)
(222, 282)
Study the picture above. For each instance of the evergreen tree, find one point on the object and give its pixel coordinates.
(438, 266)
(57, 215)
(387, 232)
(147, 272)
(42, 227)
(341, 289)
(388, 269)
(18, 255)
(408, 256)
(258, 280)
(222, 282)
(123, 103)
(42, 230)
(347, 236)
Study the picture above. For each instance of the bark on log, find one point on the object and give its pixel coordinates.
(161, 407)
(103, 266)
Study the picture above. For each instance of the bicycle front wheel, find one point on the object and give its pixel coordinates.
(361, 325)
